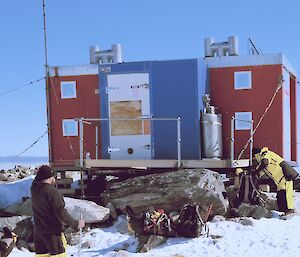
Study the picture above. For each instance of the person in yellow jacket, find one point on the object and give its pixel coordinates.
(277, 169)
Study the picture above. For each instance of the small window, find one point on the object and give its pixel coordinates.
(242, 80)
(70, 127)
(68, 89)
(243, 120)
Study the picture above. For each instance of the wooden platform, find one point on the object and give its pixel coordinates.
(144, 164)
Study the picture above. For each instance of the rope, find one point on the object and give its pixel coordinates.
(280, 85)
(19, 87)
(39, 138)
(55, 94)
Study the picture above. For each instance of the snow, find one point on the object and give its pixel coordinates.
(228, 238)
(269, 237)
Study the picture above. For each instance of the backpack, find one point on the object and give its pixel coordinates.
(247, 191)
(189, 223)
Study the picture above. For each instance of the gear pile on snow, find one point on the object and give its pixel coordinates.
(187, 223)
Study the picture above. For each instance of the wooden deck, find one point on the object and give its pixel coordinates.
(144, 164)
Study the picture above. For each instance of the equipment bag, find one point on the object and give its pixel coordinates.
(190, 223)
(289, 172)
(247, 191)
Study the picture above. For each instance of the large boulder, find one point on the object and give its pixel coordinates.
(90, 211)
(170, 191)
(14, 192)
(23, 208)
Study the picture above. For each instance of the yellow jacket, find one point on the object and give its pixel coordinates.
(269, 164)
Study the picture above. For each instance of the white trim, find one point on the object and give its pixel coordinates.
(249, 60)
(70, 134)
(74, 70)
(242, 125)
(66, 96)
(236, 80)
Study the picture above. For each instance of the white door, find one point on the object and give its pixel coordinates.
(128, 97)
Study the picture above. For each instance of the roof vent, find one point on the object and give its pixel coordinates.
(229, 48)
(113, 55)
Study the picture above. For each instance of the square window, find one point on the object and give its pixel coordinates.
(70, 127)
(242, 80)
(243, 120)
(68, 89)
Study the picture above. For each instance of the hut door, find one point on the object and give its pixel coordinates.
(128, 98)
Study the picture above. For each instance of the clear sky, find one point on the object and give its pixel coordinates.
(147, 30)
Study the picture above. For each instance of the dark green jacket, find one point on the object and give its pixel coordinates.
(48, 206)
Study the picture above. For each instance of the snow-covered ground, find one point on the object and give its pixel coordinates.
(266, 237)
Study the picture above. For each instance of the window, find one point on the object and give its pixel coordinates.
(70, 127)
(68, 89)
(242, 80)
(243, 120)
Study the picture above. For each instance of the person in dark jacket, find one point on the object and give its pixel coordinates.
(49, 215)
(277, 169)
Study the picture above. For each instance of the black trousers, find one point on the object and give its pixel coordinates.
(50, 244)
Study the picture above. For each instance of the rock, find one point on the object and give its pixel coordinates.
(269, 200)
(21, 244)
(147, 243)
(255, 211)
(121, 225)
(72, 237)
(91, 212)
(24, 230)
(243, 220)
(13, 209)
(113, 211)
(122, 253)
(246, 222)
(86, 244)
(261, 212)
(15, 174)
(24, 208)
(170, 191)
(11, 222)
(218, 218)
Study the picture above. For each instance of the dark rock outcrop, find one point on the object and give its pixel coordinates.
(170, 191)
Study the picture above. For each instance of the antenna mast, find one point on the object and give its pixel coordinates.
(47, 82)
(253, 49)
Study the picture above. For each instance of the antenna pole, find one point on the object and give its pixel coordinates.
(47, 83)
(254, 47)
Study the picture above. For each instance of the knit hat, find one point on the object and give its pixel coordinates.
(256, 150)
(44, 172)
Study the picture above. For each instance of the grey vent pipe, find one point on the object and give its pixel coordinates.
(222, 48)
(113, 55)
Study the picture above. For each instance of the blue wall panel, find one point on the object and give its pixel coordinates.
(174, 92)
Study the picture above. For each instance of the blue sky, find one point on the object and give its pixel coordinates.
(147, 30)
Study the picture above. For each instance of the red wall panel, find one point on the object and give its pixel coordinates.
(87, 104)
(265, 80)
(293, 118)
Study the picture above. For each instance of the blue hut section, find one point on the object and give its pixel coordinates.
(175, 91)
